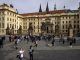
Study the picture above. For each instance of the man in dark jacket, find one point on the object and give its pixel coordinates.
(31, 52)
(1, 42)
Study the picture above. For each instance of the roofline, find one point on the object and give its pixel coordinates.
(50, 12)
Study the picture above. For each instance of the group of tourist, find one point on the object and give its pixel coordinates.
(34, 39)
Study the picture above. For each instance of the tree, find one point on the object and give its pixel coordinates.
(57, 30)
(7, 30)
(12, 30)
(20, 30)
(30, 29)
(43, 26)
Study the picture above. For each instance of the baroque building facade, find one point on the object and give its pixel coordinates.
(10, 20)
(54, 22)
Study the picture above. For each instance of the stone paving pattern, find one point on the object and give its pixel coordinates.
(42, 52)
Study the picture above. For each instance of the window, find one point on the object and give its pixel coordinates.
(66, 26)
(38, 26)
(2, 31)
(3, 13)
(38, 30)
(78, 16)
(7, 13)
(74, 21)
(78, 26)
(10, 25)
(63, 26)
(63, 17)
(34, 27)
(74, 17)
(38, 18)
(69, 21)
(66, 21)
(29, 19)
(58, 22)
(15, 26)
(26, 27)
(13, 20)
(15, 15)
(26, 23)
(55, 18)
(74, 26)
(7, 19)
(17, 18)
(69, 17)
(55, 22)
(23, 27)
(77, 21)
(38, 23)
(10, 13)
(63, 21)
(34, 19)
(78, 31)
(10, 19)
(2, 18)
(34, 30)
(2, 25)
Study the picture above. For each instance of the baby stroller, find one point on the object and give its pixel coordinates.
(18, 56)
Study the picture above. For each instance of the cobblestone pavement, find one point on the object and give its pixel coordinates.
(57, 55)
(43, 52)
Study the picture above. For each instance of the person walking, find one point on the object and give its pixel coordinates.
(10, 38)
(71, 42)
(0, 42)
(53, 42)
(63, 40)
(21, 54)
(36, 43)
(31, 52)
(74, 40)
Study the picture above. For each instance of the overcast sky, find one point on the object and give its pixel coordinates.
(29, 6)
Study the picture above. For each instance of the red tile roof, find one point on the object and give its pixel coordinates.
(43, 13)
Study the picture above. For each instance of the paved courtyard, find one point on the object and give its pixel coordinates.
(42, 52)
